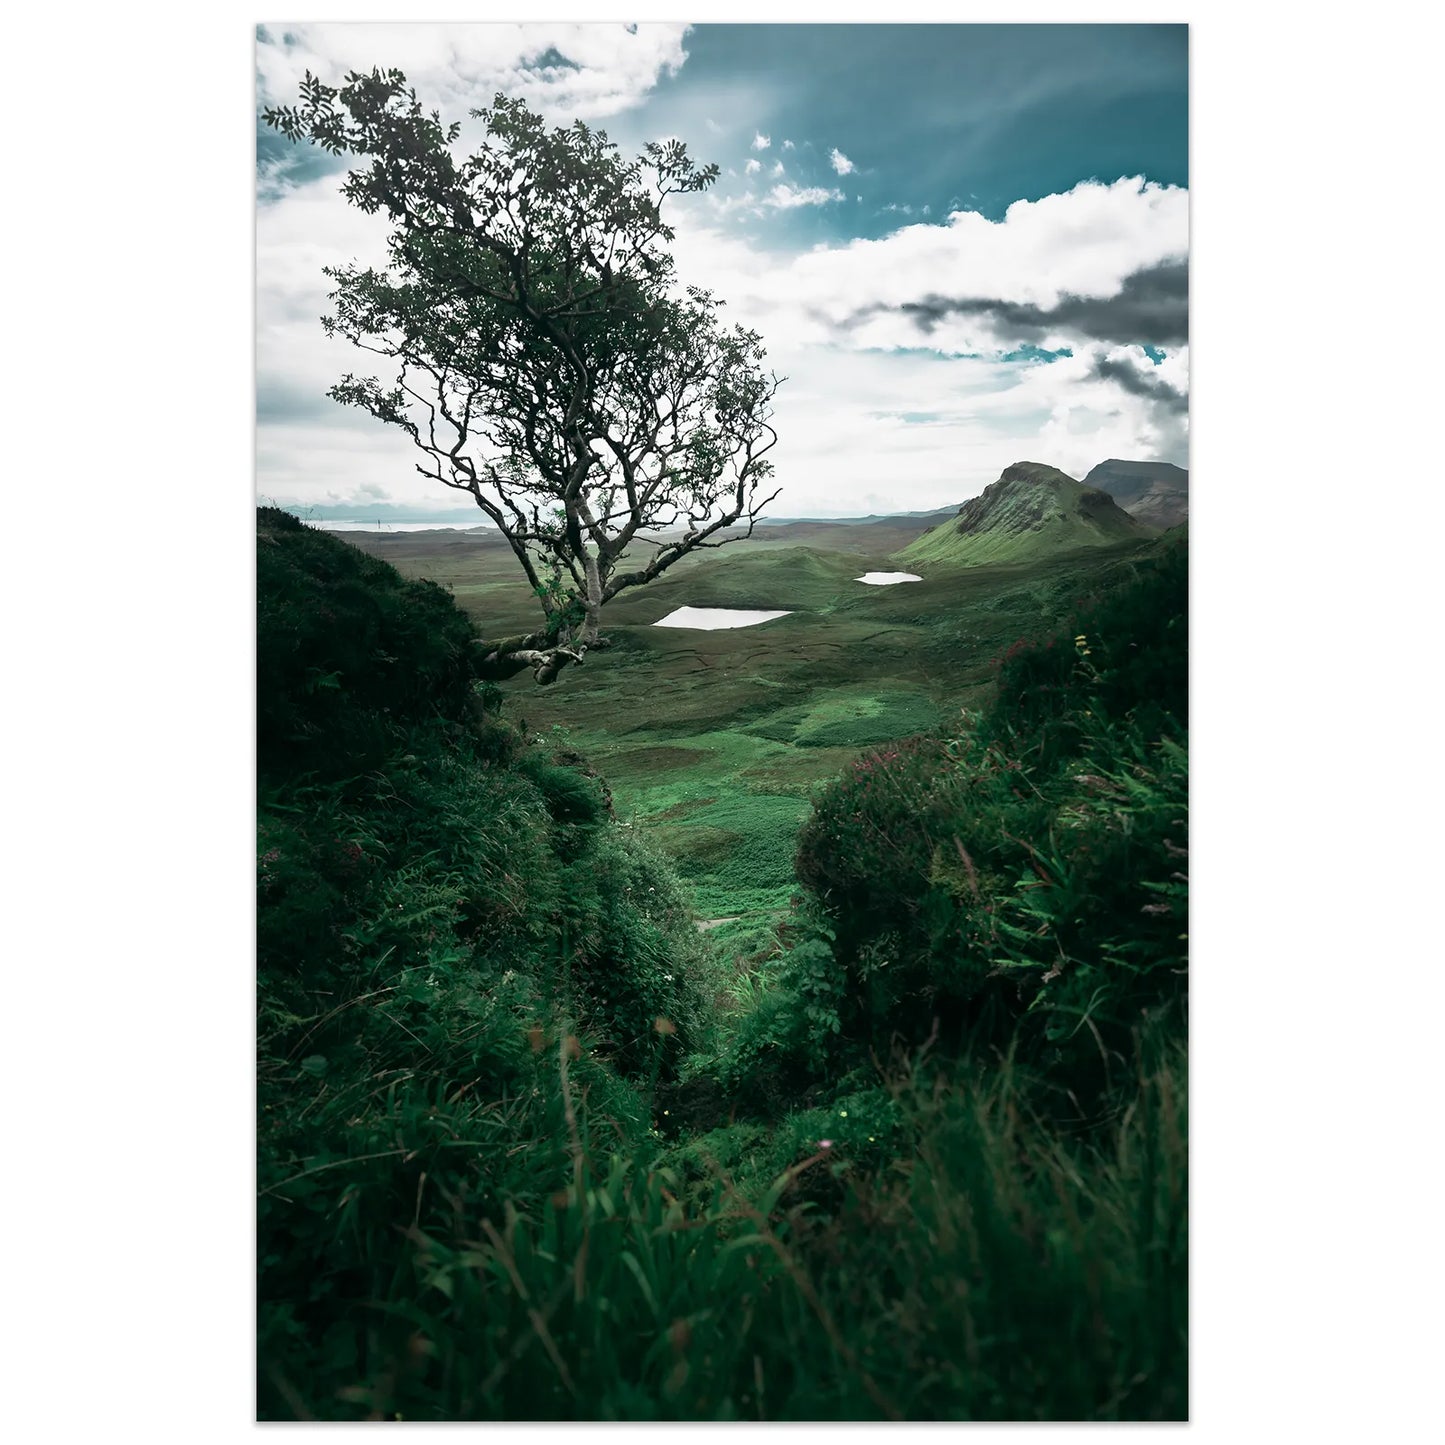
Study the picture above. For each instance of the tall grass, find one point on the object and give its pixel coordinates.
(981, 1265)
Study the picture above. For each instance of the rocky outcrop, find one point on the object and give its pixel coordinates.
(1031, 511)
(1156, 493)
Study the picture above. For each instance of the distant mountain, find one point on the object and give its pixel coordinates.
(1154, 492)
(848, 534)
(370, 513)
(1032, 511)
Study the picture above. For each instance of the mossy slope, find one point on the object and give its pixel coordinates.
(1031, 512)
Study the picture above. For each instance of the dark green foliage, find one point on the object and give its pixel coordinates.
(437, 909)
(640, 972)
(1136, 643)
(1028, 866)
(348, 653)
(785, 1047)
(445, 835)
(522, 1154)
(926, 1249)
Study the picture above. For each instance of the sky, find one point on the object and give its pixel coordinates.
(963, 245)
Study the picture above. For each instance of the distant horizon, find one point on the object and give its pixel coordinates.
(464, 518)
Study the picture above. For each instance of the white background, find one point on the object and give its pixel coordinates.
(129, 754)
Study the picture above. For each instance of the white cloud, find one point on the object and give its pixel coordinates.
(1084, 242)
(840, 162)
(566, 70)
(777, 169)
(761, 142)
(788, 145)
(752, 167)
(785, 197)
(881, 416)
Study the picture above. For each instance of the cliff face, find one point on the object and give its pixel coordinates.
(1032, 510)
(1156, 493)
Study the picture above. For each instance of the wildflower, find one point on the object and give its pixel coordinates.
(825, 1143)
(842, 1113)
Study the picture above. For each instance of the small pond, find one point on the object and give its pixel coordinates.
(709, 619)
(887, 579)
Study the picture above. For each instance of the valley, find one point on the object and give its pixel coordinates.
(713, 741)
(738, 967)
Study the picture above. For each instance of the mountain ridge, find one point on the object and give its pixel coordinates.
(1154, 492)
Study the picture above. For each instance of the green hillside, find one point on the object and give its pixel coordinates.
(534, 1144)
(1031, 512)
(791, 578)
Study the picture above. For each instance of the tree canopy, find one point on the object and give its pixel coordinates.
(547, 360)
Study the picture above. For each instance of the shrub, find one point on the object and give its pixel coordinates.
(778, 1054)
(1135, 641)
(348, 652)
(1027, 866)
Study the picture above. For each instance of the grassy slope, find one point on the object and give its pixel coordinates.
(944, 1256)
(1037, 511)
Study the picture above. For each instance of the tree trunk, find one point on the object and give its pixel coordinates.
(593, 601)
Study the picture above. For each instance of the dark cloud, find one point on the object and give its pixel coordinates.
(1150, 309)
(1138, 381)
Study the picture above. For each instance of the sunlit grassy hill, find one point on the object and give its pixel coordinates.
(1031, 512)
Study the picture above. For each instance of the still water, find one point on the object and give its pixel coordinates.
(709, 619)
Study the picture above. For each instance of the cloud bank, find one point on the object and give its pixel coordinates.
(565, 70)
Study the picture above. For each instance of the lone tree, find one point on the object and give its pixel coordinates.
(548, 363)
